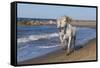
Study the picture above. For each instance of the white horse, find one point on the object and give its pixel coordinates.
(66, 33)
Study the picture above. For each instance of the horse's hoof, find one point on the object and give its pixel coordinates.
(68, 54)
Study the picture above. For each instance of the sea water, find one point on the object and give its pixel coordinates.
(35, 41)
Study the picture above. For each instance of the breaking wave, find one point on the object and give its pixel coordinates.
(36, 37)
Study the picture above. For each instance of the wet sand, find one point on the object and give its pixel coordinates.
(88, 52)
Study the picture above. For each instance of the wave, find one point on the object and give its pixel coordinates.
(36, 37)
(49, 46)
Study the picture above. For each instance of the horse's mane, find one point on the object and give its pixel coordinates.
(68, 19)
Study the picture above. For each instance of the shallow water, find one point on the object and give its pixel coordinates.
(34, 41)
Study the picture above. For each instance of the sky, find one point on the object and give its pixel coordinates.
(54, 12)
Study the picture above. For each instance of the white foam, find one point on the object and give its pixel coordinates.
(36, 37)
(48, 46)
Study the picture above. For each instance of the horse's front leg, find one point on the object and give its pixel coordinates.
(61, 39)
(68, 46)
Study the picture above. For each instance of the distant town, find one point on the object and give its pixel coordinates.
(37, 21)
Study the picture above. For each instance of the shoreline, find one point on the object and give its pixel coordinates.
(86, 53)
(60, 55)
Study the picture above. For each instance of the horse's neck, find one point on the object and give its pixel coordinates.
(67, 26)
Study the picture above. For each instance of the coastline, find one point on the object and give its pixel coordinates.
(86, 53)
(81, 23)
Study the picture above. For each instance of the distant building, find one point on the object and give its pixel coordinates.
(51, 22)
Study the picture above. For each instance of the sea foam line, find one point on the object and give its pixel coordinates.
(36, 37)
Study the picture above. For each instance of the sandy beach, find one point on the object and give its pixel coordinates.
(88, 52)
(91, 24)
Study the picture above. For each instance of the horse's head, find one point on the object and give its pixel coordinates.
(63, 21)
(58, 23)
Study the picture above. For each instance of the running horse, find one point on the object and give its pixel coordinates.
(67, 33)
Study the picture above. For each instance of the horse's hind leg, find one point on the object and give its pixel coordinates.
(65, 44)
(72, 44)
(68, 46)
